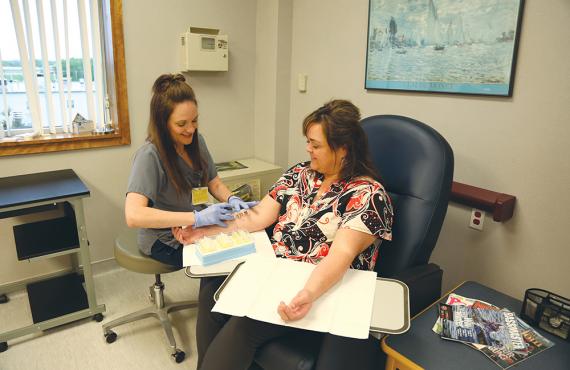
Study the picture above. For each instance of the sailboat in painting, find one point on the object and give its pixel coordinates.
(434, 28)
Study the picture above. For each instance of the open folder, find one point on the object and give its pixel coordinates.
(257, 286)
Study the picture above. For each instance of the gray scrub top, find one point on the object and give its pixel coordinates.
(149, 178)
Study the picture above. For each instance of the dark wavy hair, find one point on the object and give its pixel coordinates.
(340, 120)
(168, 91)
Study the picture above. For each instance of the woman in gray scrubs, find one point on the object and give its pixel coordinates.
(172, 174)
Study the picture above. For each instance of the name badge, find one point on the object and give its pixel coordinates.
(199, 195)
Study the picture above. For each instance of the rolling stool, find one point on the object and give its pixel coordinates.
(129, 256)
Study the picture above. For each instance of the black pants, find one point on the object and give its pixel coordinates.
(166, 254)
(228, 342)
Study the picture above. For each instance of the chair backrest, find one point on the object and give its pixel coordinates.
(416, 166)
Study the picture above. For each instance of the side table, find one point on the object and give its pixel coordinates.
(421, 348)
(60, 300)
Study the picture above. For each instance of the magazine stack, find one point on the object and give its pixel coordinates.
(498, 333)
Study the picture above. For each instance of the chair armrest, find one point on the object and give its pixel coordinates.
(424, 282)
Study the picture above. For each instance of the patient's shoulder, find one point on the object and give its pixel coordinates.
(365, 182)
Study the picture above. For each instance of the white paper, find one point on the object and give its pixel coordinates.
(239, 293)
(258, 286)
(189, 258)
(354, 301)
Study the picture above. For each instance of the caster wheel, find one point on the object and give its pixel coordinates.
(98, 317)
(4, 346)
(110, 337)
(3, 298)
(179, 356)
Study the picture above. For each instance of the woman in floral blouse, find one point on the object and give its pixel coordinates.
(331, 211)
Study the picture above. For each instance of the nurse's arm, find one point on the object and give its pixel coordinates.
(139, 214)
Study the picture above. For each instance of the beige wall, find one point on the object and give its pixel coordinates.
(515, 145)
(152, 30)
(272, 79)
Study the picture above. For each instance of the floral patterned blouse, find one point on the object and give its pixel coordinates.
(305, 229)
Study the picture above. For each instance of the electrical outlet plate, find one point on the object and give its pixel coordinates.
(477, 219)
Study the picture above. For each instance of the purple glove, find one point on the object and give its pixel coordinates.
(215, 214)
(238, 204)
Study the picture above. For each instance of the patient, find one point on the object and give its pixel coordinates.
(331, 211)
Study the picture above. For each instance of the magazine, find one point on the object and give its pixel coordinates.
(535, 343)
(504, 358)
(456, 299)
(231, 165)
(481, 326)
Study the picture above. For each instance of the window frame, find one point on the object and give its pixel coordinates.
(118, 97)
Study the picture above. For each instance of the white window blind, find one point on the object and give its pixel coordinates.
(5, 126)
(52, 68)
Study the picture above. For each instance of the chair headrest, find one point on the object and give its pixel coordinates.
(416, 167)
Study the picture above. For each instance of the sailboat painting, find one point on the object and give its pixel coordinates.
(449, 46)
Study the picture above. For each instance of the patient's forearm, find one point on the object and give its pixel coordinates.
(346, 246)
(244, 221)
(254, 219)
(327, 273)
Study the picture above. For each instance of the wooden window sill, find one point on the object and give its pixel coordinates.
(61, 142)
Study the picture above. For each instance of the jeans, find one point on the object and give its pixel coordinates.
(166, 254)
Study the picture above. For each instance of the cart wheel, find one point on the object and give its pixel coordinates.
(4, 346)
(3, 298)
(179, 356)
(110, 337)
(98, 317)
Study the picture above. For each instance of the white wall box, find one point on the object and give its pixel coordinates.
(203, 49)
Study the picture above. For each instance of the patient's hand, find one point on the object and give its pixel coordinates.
(187, 235)
(298, 307)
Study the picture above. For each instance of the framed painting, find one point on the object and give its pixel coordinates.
(445, 46)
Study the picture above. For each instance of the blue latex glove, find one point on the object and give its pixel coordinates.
(215, 214)
(238, 204)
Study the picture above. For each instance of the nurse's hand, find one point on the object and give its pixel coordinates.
(297, 308)
(238, 204)
(215, 214)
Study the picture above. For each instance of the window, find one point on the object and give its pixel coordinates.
(50, 104)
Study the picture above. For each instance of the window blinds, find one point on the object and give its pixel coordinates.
(32, 25)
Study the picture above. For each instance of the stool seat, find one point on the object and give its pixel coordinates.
(129, 256)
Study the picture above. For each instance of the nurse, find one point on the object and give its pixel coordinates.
(172, 174)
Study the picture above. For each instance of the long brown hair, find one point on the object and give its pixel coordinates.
(168, 91)
(340, 120)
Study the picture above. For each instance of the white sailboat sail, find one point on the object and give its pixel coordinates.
(434, 28)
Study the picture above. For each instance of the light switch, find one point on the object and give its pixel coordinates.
(302, 82)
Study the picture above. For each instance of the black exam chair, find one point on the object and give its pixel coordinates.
(416, 166)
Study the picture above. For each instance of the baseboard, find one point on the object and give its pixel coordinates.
(104, 266)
